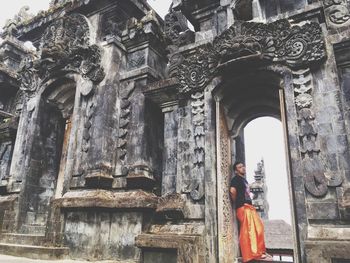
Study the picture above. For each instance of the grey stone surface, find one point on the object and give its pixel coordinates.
(117, 135)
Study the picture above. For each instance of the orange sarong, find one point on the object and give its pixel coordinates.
(251, 236)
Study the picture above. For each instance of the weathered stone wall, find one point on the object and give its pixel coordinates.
(102, 235)
(128, 126)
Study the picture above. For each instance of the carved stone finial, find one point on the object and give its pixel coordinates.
(176, 29)
(10, 28)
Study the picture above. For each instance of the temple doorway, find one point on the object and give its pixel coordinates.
(239, 101)
(50, 147)
(267, 175)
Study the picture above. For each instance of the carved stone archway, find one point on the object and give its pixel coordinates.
(292, 51)
(63, 74)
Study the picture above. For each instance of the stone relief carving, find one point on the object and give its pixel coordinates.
(175, 59)
(313, 166)
(64, 47)
(226, 225)
(293, 45)
(279, 42)
(136, 59)
(337, 11)
(198, 118)
(176, 29)
(90, 109)
(124, 120)
(28, 76)
(177, 34)
(194, 72)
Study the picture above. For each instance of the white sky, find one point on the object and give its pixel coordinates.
(263, 136)
(264, 139)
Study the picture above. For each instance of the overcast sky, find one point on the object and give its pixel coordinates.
(263, 137)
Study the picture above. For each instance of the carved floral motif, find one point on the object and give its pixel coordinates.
(194, 72)
(28, 76)
(279, 42)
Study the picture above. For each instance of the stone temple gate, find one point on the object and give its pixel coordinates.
(118, 131)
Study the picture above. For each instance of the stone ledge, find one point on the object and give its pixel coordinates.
(7, 200)
(340, 233)
(165, 241)
(325, 251)
(163, 91)
(107, 199)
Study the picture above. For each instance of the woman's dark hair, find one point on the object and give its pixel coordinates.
(235, 165)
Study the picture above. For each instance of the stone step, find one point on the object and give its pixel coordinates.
(22, 239)
(34, 252)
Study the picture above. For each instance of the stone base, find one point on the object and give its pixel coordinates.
(171, 207)
(98, 179)
(188, 247)
(327, 251)
(140, 177)
(35, 252)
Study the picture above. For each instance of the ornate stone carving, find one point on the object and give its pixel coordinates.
(136, 59)
(124, 120)
(90, 109)
(175, 59)
(293, 45)
(176, 29)
(226, 230)
(177, 34)
(313, 166)
(195, 71)
(337, 11)
(278, 42)
(28, 76)
(65, 47)
(198, 118)
(10, 28)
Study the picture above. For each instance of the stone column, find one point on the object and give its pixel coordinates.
(170, 150)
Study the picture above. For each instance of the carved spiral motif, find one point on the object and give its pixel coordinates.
(193, 73)
(340, 15)
(296, 48)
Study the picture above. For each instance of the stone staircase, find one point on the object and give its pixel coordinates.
(31, 246)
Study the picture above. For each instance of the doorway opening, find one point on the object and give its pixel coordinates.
(268, 178)
(241, 99)
(50, 146)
